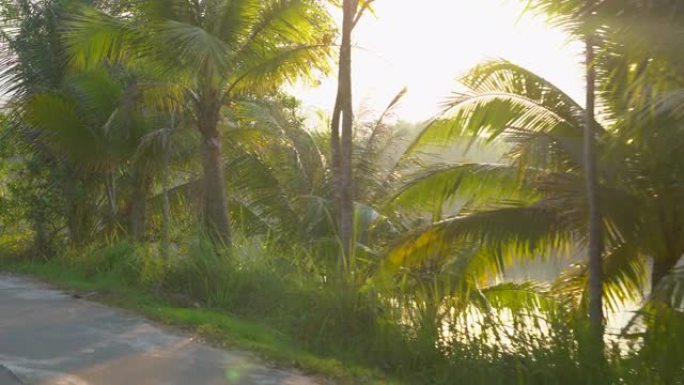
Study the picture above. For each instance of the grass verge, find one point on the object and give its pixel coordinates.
(214, 326)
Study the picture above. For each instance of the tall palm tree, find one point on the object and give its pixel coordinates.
(580, 18)
(533, 203)
(211, 52)
(639, 62)
(595, 228)
(280, 176)
(341, 138)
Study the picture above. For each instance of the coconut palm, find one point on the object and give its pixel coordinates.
(94, 123)
(281, 182)
(580, 18)
(211, 52)
(29, 47)
(92, 144)
(341, 134)
(532, 203)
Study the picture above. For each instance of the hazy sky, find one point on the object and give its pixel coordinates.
(426, 44)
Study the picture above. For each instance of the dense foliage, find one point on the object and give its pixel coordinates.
(153, 143)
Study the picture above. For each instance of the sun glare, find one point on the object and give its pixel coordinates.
(426, 45)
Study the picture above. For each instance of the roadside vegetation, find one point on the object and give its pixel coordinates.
(151, 155)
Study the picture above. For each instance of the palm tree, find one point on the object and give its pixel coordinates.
(341, 138)
(93, 123)
(532, 202)
(110, 119)
(212, 52)
(580, 18)
(32, 63)
(280, 176)
(595, 229)
(172, 144)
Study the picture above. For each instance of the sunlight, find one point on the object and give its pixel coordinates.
(427, 47)
(482, 191)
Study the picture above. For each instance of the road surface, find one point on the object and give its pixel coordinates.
(47, 337)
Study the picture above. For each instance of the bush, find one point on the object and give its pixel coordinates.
(323, 313)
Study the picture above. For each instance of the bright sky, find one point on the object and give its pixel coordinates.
(426, 45)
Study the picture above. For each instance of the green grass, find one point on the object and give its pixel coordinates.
(263, 301)
(217, 327)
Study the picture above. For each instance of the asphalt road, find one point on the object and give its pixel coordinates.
(47, 337)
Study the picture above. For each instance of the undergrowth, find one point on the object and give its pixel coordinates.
(296, 311)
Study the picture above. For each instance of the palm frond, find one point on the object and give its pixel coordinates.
(59, 118)
(541, 123)
(499, 236)
(624, 278)
(517, 297)
(290, 21)
(284, 64)
(255, 183)
(670, 290)
(441, 185)
(502, 76)
(93, 37)
(191, 46)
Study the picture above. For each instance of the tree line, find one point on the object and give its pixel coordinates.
(151, 121)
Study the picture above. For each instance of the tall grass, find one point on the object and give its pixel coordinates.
(362, 324)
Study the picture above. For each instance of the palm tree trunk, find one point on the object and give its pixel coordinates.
(335, 137)
(595, 288)
(215, 206)
(342, 142)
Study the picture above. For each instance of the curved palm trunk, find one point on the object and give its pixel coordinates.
(215, 207)
(341, 140)
(595, 289)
